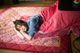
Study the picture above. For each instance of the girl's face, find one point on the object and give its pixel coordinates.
(21, 28)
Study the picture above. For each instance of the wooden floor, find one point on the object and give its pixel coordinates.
(11, 51)
(40, 3)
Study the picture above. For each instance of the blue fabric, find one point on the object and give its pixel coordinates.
(34, 23)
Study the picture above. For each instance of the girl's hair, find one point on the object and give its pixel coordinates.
(20, 22)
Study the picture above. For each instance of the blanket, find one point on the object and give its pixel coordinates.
(52, 42)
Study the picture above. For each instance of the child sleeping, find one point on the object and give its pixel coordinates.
(30, 27)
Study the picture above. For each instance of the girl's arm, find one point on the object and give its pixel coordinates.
(25, 35)
(19, 34)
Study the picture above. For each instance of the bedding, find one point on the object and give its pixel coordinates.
(57, 20)
(52, 42)
(57, 24)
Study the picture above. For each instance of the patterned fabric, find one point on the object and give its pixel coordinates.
(10, 39)
(9, 35)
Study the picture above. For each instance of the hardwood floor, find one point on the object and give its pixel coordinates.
(36, 3)
(11, 51)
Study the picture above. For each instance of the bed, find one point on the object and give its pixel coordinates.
(52, 42)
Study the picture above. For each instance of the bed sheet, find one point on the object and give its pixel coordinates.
(52, 42)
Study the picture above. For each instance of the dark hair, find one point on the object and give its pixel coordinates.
(20, 22)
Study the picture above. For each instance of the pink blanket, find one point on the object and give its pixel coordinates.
(56, 20)
(57, 24)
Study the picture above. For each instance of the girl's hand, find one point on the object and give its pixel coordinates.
(25, 35)
(19, 34)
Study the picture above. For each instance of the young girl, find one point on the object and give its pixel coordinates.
(30, 27)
